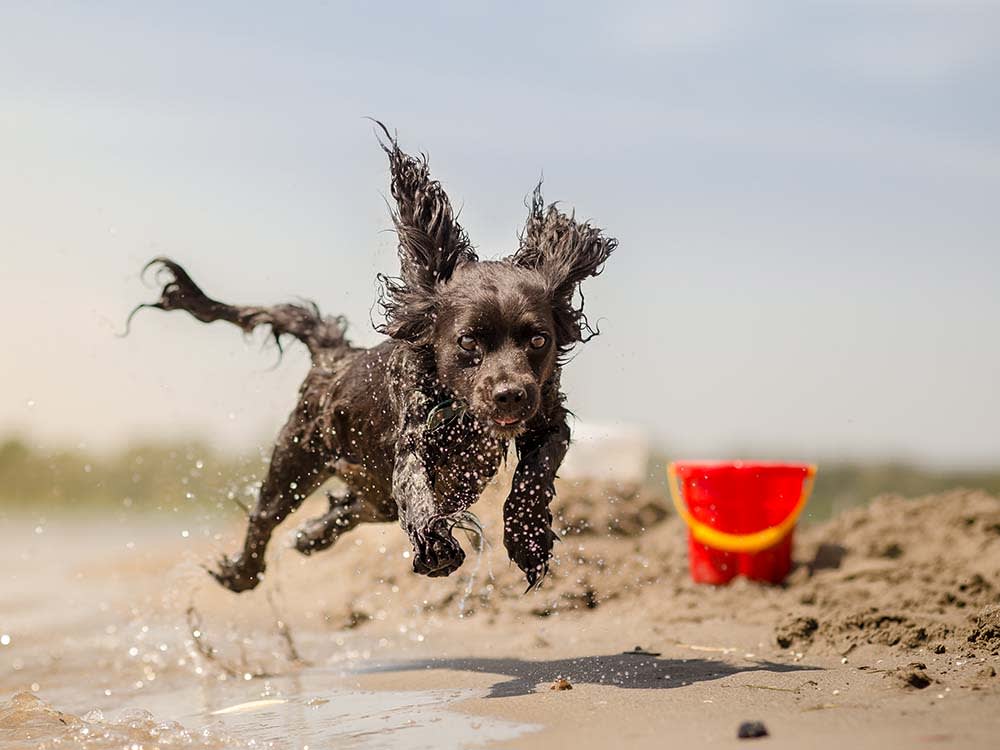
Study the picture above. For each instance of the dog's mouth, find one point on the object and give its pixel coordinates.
(506, 427)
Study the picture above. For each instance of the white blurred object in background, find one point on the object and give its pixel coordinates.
(608, 452)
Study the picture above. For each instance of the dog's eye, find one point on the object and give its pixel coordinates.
(467, 342)
(538, 340)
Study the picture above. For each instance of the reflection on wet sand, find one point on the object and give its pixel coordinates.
(330, 717)
(98, 654)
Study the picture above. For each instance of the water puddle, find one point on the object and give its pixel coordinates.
(96, 653)
(287, 713)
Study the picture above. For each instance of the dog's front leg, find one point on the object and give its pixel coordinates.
(527, 519)
(435, 550)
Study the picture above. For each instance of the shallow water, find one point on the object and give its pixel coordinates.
(299, 712)
(96, 652)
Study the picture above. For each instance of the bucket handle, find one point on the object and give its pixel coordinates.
(722, 540)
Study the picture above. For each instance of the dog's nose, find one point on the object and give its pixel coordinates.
(509, 395)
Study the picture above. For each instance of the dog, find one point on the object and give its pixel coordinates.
(416, 426)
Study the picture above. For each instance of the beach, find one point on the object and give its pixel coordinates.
(887, 630)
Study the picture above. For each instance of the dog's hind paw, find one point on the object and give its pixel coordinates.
(311, 538)
(232, 573)
(318, 534)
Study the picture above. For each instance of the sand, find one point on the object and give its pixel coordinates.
(886, 634)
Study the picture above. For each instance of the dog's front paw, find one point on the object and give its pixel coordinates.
(236, 575)
(436, 552)
(530, 549)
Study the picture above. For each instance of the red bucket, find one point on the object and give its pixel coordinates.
(740, 516)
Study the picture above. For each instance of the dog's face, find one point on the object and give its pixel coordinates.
(497, 330)
(494, 342)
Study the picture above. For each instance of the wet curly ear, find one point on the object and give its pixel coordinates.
(565, 252)
(432, 244)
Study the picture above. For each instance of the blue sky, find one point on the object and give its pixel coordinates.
(805, 195)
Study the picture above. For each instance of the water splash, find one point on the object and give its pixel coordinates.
(469, 523)
(28, 721)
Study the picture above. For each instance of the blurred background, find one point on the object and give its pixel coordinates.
(804, 193)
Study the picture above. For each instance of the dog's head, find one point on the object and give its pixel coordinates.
(497, 330)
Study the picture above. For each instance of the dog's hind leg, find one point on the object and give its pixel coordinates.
(347, 510)
(298, 467)
(303, 322)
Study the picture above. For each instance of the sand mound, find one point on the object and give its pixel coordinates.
(901, 573)
(614, 541)
(915, 573)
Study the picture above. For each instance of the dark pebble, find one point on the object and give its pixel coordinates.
(750, 729)
(915, 677)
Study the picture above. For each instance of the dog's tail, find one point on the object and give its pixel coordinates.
(321, 334)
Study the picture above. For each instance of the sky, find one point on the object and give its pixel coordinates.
(805, 195)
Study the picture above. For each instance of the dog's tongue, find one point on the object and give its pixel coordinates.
(505, 420)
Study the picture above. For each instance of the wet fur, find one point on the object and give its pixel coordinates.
(372, 416)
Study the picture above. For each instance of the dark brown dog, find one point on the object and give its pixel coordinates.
(416, 426)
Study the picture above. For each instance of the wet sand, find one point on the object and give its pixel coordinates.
(101, 652)
(887, 635)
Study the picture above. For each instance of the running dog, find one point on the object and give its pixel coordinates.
(416, 426)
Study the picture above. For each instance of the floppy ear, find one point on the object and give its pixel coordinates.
(432, 244)
(565, 252)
